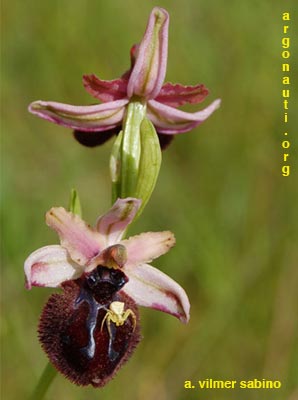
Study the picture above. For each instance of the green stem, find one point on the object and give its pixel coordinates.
(131, 147)
(44, 383)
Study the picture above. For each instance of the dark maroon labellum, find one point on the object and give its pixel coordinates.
(92, 328)
(93, 139)
(164, 140)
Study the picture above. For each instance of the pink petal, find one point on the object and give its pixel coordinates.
(149, 287)
(145, 247)
(99, 117)
(175, 95)
(81, 241)
(172, 121)
(149, 70)
(105, 90)
(50, 266)
(113, 224)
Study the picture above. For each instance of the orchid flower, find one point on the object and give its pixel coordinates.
(104, 278)
(144, 83)
(82, 249)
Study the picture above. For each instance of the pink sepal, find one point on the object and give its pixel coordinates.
(149, 287)
(99, 117)
(113, 224)
(148, 73)
(172, 121)
(50, 266)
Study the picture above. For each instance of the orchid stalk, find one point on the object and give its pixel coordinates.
(135, 158)
(92, 327)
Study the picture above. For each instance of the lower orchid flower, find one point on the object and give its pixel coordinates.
(90, 329)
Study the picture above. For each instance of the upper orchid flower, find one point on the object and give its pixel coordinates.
(91, 328)
(144, 83)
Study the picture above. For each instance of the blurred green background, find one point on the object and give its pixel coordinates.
(220, 190)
